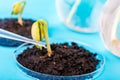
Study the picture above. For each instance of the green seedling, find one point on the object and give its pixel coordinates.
(18, 8)
(39, 32)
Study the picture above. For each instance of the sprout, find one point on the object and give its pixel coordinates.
(39, 32)
(18, 9)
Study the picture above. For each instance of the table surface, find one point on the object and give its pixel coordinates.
(57, 30)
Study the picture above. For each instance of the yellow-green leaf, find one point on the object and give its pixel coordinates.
(37, 31)
(17, 8)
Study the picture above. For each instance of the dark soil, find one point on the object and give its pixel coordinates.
(13, 26)
(65, 61)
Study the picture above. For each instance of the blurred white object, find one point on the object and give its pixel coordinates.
(80, 15)
(110, 26)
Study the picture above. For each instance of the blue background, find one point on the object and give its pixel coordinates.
(45, 9)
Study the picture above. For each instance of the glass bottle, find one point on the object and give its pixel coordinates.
(110, 26)
(80, 15)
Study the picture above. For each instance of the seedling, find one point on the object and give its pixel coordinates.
(39, 32)
(18, 8)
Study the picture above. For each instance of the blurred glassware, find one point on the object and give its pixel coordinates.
(80, 15)
(110, 26)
